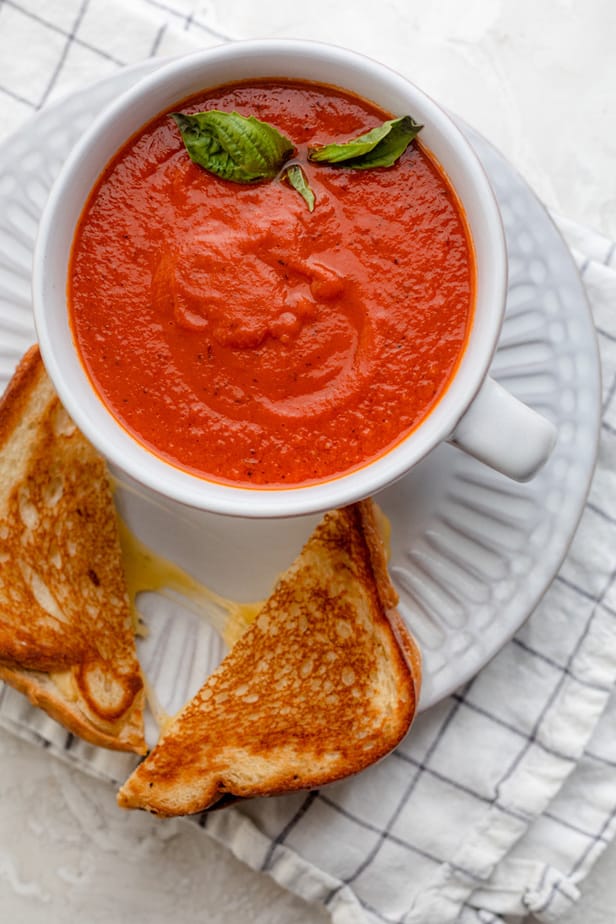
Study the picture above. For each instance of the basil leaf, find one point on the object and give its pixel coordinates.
(296, 177)
(380, 147)
(235, 147)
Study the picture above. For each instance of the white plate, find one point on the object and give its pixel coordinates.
(472, 552)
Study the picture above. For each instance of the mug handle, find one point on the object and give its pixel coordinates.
(504, 433)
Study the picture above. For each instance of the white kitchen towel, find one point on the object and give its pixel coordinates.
(505, 793)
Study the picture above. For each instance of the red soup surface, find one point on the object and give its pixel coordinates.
(249, 340)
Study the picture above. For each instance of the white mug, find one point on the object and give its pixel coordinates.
(475, 413)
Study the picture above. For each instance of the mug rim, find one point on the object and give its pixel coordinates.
(60, 354)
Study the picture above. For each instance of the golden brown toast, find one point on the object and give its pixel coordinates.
(66, 629)
(322, 684)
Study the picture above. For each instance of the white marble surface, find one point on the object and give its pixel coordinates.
(539, 80)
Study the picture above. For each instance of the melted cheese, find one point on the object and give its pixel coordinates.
(147, 571)
(162, 718)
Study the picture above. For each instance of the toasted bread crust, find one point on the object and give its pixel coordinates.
(386, 590)
(64, 607)
(366, 512)
(43, 693)
(14, 401)
(322, 684)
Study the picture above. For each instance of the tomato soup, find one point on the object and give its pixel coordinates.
(249, 340)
